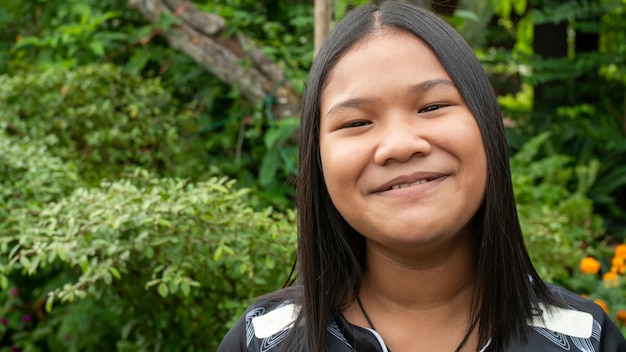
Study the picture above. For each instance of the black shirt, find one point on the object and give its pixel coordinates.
(583, 326)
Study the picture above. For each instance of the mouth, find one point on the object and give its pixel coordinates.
(407, 185)
(407, 181)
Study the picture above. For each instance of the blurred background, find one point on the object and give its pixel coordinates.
(148, 156)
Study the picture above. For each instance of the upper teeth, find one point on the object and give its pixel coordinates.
(405, 185)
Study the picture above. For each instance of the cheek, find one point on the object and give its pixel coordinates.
(340, 167)
(479, 171)
(331, 159)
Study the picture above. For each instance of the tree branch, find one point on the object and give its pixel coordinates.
(234, 60)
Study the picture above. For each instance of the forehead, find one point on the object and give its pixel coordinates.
(388, 56)
(381, 47)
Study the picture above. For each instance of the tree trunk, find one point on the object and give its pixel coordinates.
(234, 60)
(322, 22)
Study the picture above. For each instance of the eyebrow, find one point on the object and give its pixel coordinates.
(421, 87)
(348, 104)
(431, 84)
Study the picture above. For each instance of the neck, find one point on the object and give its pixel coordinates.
(422, 280)
(420, 299)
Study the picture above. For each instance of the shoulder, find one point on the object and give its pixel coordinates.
(268, 325)
(576, 325)
(264, 324)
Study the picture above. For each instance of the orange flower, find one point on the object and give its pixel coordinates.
(584, 295)
(589, 266)
(618, 264)
(621, 316)
(620, 250)
(610, 279)
(602, 305)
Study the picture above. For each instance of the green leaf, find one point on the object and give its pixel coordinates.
(467, 15)
(152, 283)
(519, 6)
(97, 48)
(243, 267)
(271, 137)
(61, 252)
(270, 263)
(165, 223)
(115, 273)
(26, 41)
(149, 251)
(162, 289)
(185, 288)
(166, 20)
(25, 262)
(503, 8)
(218, 253)
(49, 302)
(173, 287)
(106, 276)
(269, 167)
(281, 132)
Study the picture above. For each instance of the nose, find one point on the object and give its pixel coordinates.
(400, 140)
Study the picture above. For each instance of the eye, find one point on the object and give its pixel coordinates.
(432, 107)
(357, 123)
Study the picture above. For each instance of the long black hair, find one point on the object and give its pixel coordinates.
(331, 254)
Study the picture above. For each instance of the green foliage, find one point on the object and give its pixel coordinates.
(557, 223)
(77, 29)
(99, 254)
(154, 252)
(104, 120)
(107, 121)
(614, 41)
(279, 150)
(282, 30)
(62, 34)
(66, 34)
(578, 96)
(341, 7)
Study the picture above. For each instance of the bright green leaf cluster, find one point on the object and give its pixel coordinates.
(160, 250)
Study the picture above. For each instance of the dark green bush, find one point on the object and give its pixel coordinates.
(104, 120)
(107, 121)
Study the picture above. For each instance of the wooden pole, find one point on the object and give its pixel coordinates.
(322, 22)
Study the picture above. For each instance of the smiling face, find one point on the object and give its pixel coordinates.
(402, 156)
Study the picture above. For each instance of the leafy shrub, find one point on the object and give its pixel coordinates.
(572, 85)
(558, 224)
(158, 263)
(103, 119)
(67, 33)
(561, 228)
(223, 134)
(107, 121)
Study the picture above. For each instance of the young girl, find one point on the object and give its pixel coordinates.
(408, 234)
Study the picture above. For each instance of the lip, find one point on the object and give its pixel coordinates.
(410, 180)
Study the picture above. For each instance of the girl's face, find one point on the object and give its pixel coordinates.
(402, 156)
